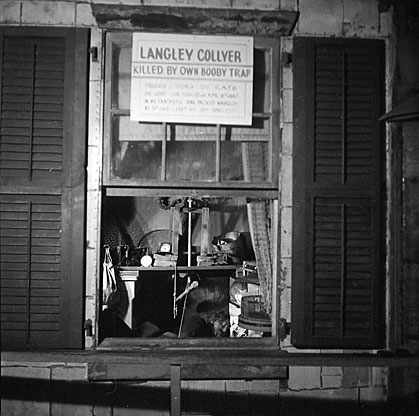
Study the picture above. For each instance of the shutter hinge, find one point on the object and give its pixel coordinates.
(286, 59)
(94, 54)
(88, 327)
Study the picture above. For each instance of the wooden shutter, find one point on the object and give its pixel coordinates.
(338, 262)
(43, 95)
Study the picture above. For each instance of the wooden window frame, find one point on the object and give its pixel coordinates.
(265, 190)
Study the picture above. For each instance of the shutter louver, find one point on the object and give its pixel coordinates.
(30, 269)
(342, 277)
(344, 115)
(337, 202)
(32, 109)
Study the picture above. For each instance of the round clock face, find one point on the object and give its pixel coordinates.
(165, 247)
(146, 261)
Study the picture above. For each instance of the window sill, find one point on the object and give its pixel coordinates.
(156, 364)
(167, 345)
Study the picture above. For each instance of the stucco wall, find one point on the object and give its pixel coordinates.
(310, 385)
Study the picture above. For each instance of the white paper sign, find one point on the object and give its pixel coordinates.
(192, 79)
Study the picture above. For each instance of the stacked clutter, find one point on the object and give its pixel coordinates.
(126, 274)
(247, 311)
(164, 260)
(219, 258)
(229, 246)
(253, 314)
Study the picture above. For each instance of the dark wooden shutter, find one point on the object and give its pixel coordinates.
(338, 256)
(42, 141)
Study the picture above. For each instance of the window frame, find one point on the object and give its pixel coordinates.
(265, 189)
(258, 190)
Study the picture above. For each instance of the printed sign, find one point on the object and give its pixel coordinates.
(192, 79)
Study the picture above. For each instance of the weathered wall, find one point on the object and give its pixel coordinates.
(346, 390)
(340, 19)
(62, 389)
(410, 218)
(406, 84)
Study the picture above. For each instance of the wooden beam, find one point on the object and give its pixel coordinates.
(193, 193)
(104, 371)
(156, 356)
(273, 23)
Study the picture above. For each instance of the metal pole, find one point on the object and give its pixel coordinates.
(189, 232)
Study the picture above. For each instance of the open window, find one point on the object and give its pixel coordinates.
(189, 214)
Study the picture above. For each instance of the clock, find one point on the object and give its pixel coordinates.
(165, 248)
(146, 260)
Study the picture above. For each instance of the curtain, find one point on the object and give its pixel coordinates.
(260, 213)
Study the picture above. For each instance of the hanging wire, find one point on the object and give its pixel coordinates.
(184, 308)
(174, 293)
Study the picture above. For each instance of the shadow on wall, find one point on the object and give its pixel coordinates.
(124, 398)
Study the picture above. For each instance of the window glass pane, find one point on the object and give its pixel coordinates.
(261, 82)
(244, 161)
(258, 131)
(136, 149)
(231, 161)
(256, 159)
(132, 160)
(190, 152)
(121, 75)
(192, 132)
(190, 160)
(127, 130)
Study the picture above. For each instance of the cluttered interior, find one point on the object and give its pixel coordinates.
(183, 267)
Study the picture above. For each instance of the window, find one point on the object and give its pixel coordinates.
(339, 191)
(148, 154)
(42, 194)
(201, 201)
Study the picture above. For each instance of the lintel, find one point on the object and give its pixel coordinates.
(272, 23)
